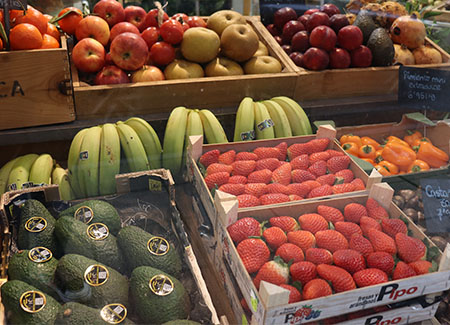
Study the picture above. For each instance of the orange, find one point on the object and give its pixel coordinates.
(70, 22)
(25, 37)
(49, 17)
(30, 16)
(53, 31)
(49, 42)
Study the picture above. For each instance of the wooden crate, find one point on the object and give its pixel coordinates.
(162, 96)
(270, 302)
(443, 15)
(35, 88)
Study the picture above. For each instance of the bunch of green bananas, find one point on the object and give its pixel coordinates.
(277, 117)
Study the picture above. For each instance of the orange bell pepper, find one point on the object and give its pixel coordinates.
(390, 167)
(383, 171)
(372, 142)
(367, 151)
(378, 156)
(412, 136)
(417, 142)
(418, 166)
(351, 148)
(370, 161)
(393, 138)
(351, 138)
(398, 154)
(432, 155)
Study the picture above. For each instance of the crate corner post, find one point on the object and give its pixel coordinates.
(226, 207)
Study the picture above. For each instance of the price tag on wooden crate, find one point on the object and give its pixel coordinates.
(436, 203)
(14, 4)
(423, 88)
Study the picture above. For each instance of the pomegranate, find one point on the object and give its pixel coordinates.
(403, 55)
(408, 30)
(427, 55)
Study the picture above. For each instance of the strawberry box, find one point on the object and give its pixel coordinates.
(269, 303)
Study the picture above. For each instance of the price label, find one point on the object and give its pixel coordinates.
(436, 203)
(158, 246)
(97, 231)
(154, 185)
(114, 313)
(249, 135)
(84, 214)
(96, 275)
(40, 254)
(265, 124)
(161, 285)
(36, 224)
(32, 301)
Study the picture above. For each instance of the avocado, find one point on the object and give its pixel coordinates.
(133, 241)
(181, 322)
(72, 275)
(103, 212)
(158, 296)
(365, 22)
(12, 292)
(76, 313)
(74, 238)
(36, 227)
(382, 48)
(39, 274)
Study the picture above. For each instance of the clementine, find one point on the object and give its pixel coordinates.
(49, 17)
(53, 31)
(70, 22)
(25, 37)
(49, 42)
(30, 16)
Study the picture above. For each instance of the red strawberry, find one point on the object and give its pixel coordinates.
(319, 145)
(402, 271)
(300, 176)
(330, 214)
(284, 222)
(233, 189)
(331, 240)
(298, 149)
(381, 242)
(410, 249)
(381, 260)
(275, 237)
(247, 201)
(282, 174)
(316, 288)
(300, 162)
(275, 272)
(312, 222)
(267, 163)
(347, 228)
(244, 155)
(328, 179)
(282, 146)
(256, 189)
(319, 168)
(421, 267)
(290, 252)
(217, 168)
(338, 163)
(360, 244)
(318, 256)
(237, 179)
(354, 211)
(393, 227)
(367, 223)
(346, 174)
(303, 272)
(253, 253)
(369, 277)
(294, 197)
(318, 156)
(278, 188)
(302, 238)
(294, 296)
(340, 279)
(335, 153)
(358, 184)
(375, 210)
(209, 157)
(267, 152)
(260, 176)
(216, 179)
(343, 188)
(349, 259)
(244, 228)
(228, 157)
(322, 190)
(274, 198)
(300, 189)
(243, 167)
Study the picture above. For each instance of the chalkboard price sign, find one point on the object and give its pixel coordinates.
(14, 4)
(424, 88)
(436, 203)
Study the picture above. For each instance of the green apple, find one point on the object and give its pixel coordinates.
(262, 64)
(182, 69)
(200, 44)
(220, 20)
(221, 66)
(262, 50)
(239, 42)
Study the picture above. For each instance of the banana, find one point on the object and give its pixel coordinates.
(263, 122)
(297, 117)
(244, 128)
(88, 170)
(41, 170)
(109, 159)
(172, 156)
(280, 120)
(194, 125)
(21, 171)
(212, 128)
(149, 140)
(132, 147)
(60, 177)
(72, 163)
(4, 175)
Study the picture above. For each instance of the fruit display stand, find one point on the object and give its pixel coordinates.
(35, 87)
(270, 302)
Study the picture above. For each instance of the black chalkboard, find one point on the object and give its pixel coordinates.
(436, 204)
(14, 4)
(424, 88)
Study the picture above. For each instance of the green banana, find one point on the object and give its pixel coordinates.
(244, 128)
(194, 125)
(297, 117)
(61, 178)
(88, 162)
(72, 163)
(4, 175)
(41, 170)
(132, 147)
(280, 120)
(20, 171)
(212, 128)
(109, 159)
(149, 140)
(263, 122)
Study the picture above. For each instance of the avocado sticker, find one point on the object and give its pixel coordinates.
(97, 231)
(161, 285)
(40, 254)
(84, 214)
(158, 246)
(36, 224)
(32, 301)
(113, 313)
(96, 275)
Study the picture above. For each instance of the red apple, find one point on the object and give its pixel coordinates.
(350, 37)
(150, 36)
(123, 27)
(129, 51)
(110, 75)
(339, 58)
(289, 29)
(315, 59)
(147, 73)
(88, 55)
(300, 41)
(297, 57)
(323, 37)
(278, 39)
(111, 11)
(161, 53)
(304, 19)
(338, 21)
(273, 30)
(311, 11)
(361, 57)
(134, 15)
(196, 21)
(330, 9)
(282, 16)
(287, 48)
(93, 27)
(317, 19)
(181, 17)
(151, 19)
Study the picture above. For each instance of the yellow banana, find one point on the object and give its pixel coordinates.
(280, 120)
(132, 147)
(244, 128)
(4, 175)
(109, 159)
(88, 170)
(213, 130)
(194, 125)
(61, 178)
(21, 171)
(263, 122)
(72, 163)
(41, 170)
(297, 117)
